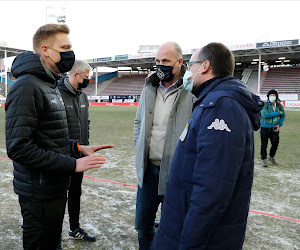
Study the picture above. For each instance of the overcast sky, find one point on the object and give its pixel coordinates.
(106, 28)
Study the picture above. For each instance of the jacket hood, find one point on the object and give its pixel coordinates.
(30, 63)
(154, 80)
(235, 89)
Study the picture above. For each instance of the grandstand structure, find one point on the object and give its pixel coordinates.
(262, 66)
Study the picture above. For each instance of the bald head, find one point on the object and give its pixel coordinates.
(172, 47)
(169, 54)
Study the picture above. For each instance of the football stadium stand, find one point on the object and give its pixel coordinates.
(262, 66)
(125, 85)
(286, 80)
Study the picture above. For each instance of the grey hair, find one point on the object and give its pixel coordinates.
(80, 67)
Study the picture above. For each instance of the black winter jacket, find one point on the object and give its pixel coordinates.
(76, 105)
(37, 131)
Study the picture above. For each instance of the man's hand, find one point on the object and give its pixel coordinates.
(89, 162)
(89, 150)
(277, 128)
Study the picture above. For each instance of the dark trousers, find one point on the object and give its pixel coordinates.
(42, 222)
(265, 135)
(147, 203)
(74, 200)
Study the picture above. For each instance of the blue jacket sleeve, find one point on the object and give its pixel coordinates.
(220, 153)
(282, 117)
(272, 115)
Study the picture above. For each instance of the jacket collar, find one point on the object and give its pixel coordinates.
(70, 87)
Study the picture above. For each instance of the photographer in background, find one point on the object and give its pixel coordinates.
(273, 116)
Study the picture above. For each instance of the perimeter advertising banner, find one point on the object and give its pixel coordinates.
(277, 43)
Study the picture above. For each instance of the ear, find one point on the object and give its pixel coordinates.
(44, 50)
(180, 61)
(206, 66)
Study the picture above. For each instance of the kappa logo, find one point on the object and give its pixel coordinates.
(160, 74)
(219, 125)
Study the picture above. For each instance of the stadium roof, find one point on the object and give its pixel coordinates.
(244, 53)
(10, 51)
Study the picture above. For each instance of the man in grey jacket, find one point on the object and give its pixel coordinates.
(164, 108)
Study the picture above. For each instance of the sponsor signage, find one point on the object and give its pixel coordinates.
(121, 57)
(278, 43)
(98, 97)
(103, 59)
(148, 48)
(242, 46)
(292, 104)
(136, 56)
(149, 55)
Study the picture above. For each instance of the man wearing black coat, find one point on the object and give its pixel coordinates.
(37, 138)
(76, 105)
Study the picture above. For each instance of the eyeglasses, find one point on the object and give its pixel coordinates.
(188, 64)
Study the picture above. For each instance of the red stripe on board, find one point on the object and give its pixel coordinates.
(129, 185)
(113, 182)
(5, 159)
(251, 211)
(275, 216)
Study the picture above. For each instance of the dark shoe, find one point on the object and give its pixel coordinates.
(265, 163)
(80, 234)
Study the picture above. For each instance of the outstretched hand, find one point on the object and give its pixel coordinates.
(89, 162)
(89, 150)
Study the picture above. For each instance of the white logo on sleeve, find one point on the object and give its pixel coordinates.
(219, 125)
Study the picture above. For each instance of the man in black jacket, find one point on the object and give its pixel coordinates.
(76, 104)
(37, 138)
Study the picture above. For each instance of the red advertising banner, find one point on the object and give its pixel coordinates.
(133, 104)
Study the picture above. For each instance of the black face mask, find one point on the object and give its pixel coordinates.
(164, 73)
(84, 84)
(66, 62)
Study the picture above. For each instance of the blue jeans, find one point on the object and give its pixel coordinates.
(147, 202)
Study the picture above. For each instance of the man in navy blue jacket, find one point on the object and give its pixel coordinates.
(208, 192)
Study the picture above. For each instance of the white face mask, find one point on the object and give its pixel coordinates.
(272, 98)
(189, 84)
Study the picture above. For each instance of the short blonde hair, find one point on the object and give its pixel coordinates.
(47, 33)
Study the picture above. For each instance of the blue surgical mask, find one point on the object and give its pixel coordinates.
(188, 84)
(272, 98)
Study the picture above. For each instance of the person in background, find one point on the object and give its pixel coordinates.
(273, 116)
(37, 138)
(208, 192)
(164, 108)
(76, 105)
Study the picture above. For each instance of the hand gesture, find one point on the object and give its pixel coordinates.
(89, 162)
(89, 150)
